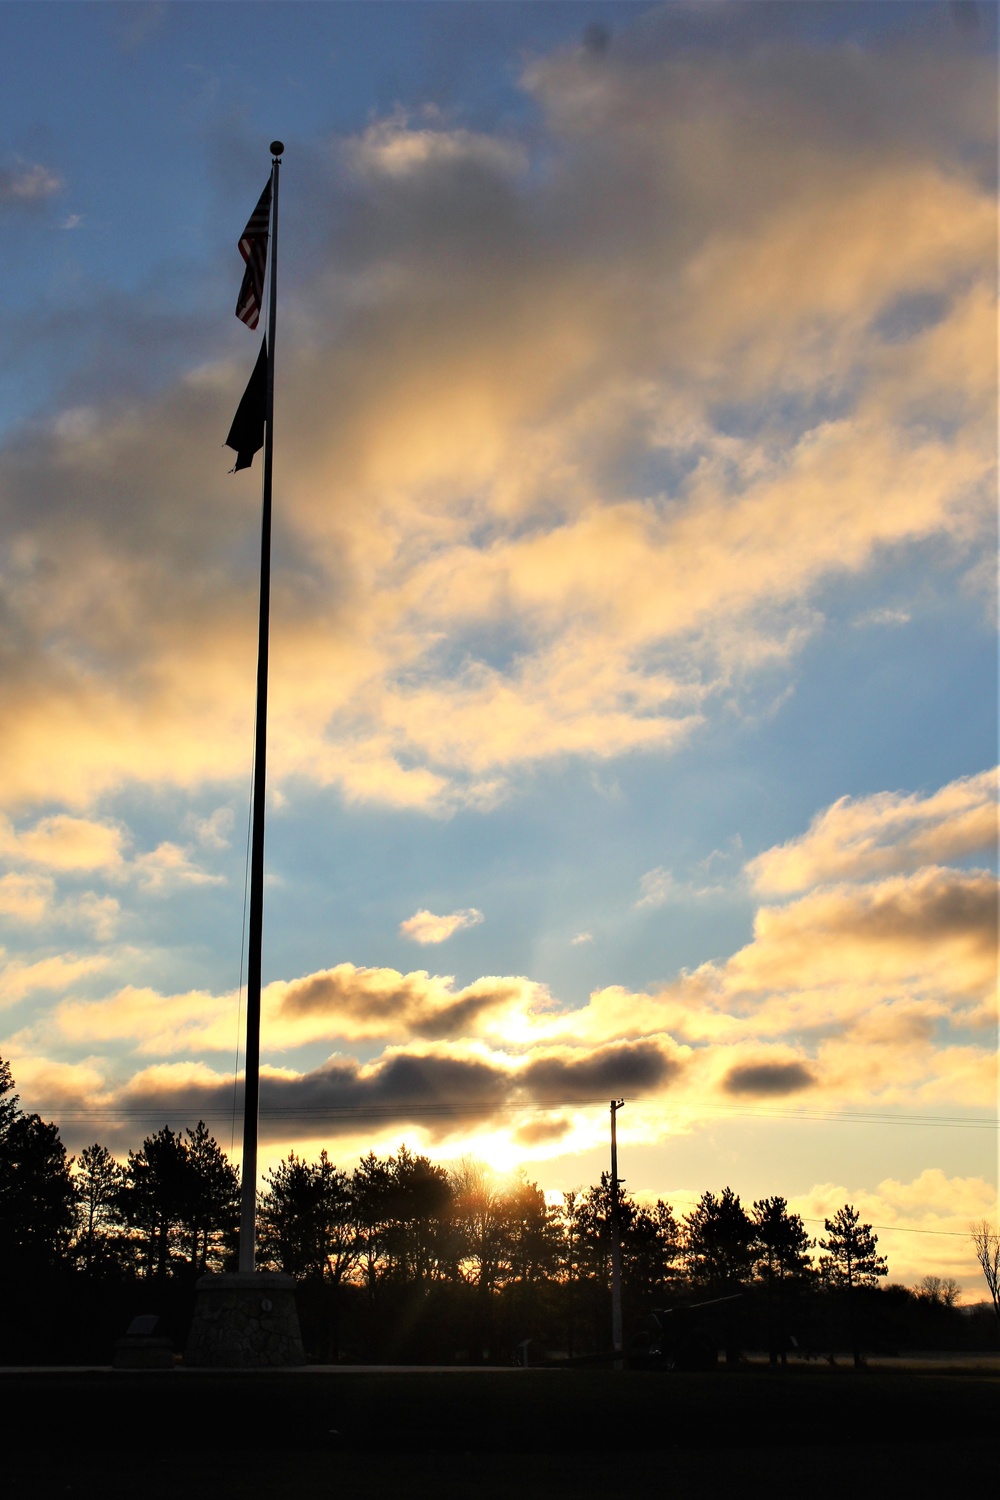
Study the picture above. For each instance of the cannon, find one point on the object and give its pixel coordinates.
(679, 1338)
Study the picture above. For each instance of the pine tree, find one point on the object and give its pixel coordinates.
(719, 1243)
(97, 1182)
(307, 1219)
(181, 1196)
(850, 1265)
(782, 1260)
(212, 1206)
(851, 1260)
(36, 1190)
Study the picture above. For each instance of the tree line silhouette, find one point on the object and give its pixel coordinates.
(404, 1259)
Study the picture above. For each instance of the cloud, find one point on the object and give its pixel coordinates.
(71, 846)
(938, 1206)
(395, 149)
(19, 977)
(443, 1091)
(542, 1132)
(629, 1067)
(884, 616)
(28, 898)
(867, 991)
(656, 886)
(857, 991)
(659, 886)
(168, 867)
(827, 960)
(606, 405)
(66, 844)
(212, 832)
(876, 993)
(345, 1002)
(101, 914)
(581, 937)
(581, 402)
(28, 184)
(351, 1002)
(920, 925)
(425, 927)
(153, 1024)
(32, 899)
(768, 1079)
(863, 837)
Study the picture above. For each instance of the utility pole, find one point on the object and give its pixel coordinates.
(616, 1242)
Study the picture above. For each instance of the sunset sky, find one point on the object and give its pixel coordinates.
(634, 666)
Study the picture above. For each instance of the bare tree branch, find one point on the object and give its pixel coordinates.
(986, 1242)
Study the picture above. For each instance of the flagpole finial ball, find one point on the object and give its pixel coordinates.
(277, 147)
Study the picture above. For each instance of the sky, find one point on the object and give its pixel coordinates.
(633, 715)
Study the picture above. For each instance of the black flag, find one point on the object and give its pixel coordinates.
(247, 432)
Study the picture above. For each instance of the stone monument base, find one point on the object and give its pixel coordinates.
(245, 1321)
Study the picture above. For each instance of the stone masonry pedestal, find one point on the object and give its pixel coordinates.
(246, 1321)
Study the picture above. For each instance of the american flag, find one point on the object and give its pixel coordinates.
(253, 248)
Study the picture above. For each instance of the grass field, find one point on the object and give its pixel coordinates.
(746, 1432)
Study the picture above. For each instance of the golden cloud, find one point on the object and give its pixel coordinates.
(28, 898)
(19, 977)
(345, 1002)
(379, 1003)
(864, 990)
(469, 574)
(938, 1207)
(66, 844)
(861, 837)
(425, 927)
(938, 922)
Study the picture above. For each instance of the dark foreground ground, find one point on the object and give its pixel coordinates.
(521, 1434)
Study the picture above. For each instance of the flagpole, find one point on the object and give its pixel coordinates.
(248, 1206)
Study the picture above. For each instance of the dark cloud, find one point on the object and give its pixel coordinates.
(537, 1131)
(442, 1093)
(942, 906)
(625, 1068)
(768, 1079)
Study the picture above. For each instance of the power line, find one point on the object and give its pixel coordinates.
(960, 1234)
(402, 1110)
(399, 1111)
(858, 1117)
